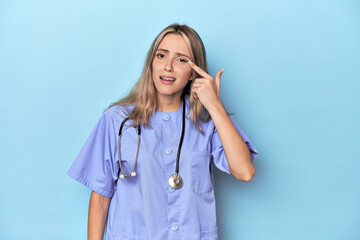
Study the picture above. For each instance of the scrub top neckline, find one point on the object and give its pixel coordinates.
(176, 111)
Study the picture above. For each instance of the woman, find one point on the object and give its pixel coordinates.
(177, 128)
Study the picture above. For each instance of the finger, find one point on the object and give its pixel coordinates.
(196, 85)
(199, 70)
(218, 77)
(193, 91)
(201, 80)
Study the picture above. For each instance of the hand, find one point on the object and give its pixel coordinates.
(206, 89)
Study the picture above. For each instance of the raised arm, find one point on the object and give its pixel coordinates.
(235, 148)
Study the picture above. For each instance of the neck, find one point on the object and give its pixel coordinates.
(168, 105)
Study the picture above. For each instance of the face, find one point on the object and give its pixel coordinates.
(171, 71)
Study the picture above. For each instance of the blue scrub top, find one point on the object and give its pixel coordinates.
(145, 206)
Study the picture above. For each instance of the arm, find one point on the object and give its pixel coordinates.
(98, 211)
(235, 148)
(237, 153)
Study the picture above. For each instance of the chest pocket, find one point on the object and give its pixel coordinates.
(127, 163)
(200, 172)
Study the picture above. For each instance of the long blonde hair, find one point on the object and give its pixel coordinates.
(143, 94)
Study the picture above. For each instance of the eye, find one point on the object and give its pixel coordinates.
(160, 55)
(182, 60)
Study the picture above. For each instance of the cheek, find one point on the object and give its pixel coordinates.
(185, 71)
(153, 65)
(155, 68)
(156, 64)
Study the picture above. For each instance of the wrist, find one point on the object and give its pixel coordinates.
(216, 108)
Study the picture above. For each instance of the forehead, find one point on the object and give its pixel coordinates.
(175, 43)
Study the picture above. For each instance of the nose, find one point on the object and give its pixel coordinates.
(168, 66)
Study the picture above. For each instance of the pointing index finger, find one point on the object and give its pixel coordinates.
(199, 70)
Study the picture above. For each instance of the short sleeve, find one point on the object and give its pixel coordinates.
(217, 150)
(95, 166)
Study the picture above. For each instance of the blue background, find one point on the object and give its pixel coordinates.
(292, 80)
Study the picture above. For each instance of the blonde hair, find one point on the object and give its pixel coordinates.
(143, 94)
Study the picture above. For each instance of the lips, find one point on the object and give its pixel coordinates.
(167, 78)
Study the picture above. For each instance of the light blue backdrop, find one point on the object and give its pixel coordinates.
(292, 78)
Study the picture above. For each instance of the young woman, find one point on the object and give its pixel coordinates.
(149, 160)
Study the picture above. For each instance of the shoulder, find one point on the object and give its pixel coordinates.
(118, 112)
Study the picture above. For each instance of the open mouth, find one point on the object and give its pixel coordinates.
(167, 79)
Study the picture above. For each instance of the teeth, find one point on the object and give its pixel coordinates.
(169, 79)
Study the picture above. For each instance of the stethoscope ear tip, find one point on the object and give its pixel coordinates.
(133, 174)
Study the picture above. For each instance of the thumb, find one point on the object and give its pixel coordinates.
(217, 79)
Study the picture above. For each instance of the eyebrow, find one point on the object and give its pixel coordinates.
(177, 53)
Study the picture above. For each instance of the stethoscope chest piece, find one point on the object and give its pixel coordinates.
(175, 181)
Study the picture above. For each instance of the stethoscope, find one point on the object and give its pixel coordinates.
(175, 180)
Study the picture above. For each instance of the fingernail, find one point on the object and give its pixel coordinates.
(223, 69)
(190, 62)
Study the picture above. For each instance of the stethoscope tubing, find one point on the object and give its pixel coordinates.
(181, 140)
(137, 151)
(138, 145)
